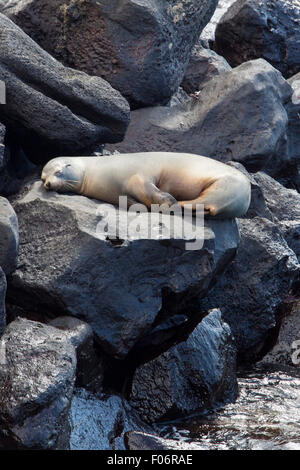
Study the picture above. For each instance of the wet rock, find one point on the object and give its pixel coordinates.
(254, 286)
(99, 423)
(2, 301)
(238, 116)
(204, 65)
(192, 376)
(73, 262)
(55, 110)
(141, 48)
(9, 237)
(264, 417)
(269, 29)
(90, 367)
(284, 205)
(142, 441)
(37, 375)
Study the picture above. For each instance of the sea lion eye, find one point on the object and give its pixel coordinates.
(58, 173)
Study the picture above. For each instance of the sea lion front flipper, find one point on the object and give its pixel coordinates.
(147, 193)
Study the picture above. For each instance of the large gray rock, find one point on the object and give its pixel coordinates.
(284, 205)
(37, 374)
(55, 109)
(71, 263)
(9, 237)
(269, 29)
(140, 47)
(238, 115)
(193, 376)
(100, 422)
(2, 301)
(253, 288)
(204, 65)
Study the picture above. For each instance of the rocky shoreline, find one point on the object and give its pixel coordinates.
(103, 337)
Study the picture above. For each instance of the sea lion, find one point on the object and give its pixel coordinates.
(153, 178)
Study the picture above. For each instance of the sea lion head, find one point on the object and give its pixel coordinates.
(63, 174)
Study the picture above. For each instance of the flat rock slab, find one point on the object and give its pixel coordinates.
(9, 237)
(70, 263)
(55, 110)
(140, 47)
(239, 115)
(37, 375)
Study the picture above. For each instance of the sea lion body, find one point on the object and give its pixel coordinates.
(153, 178)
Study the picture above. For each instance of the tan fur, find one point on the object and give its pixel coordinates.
(154, 178)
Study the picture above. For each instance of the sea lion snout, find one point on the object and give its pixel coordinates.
(63, 174)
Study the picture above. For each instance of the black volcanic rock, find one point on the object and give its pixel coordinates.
(254, 287)
(192, 376)
(203, 66)
(239, 115)
(54, 109)
(270, 29)
(141, 48)
(37, 375)
(71, 263)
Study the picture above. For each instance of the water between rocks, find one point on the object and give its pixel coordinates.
(266, 416)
